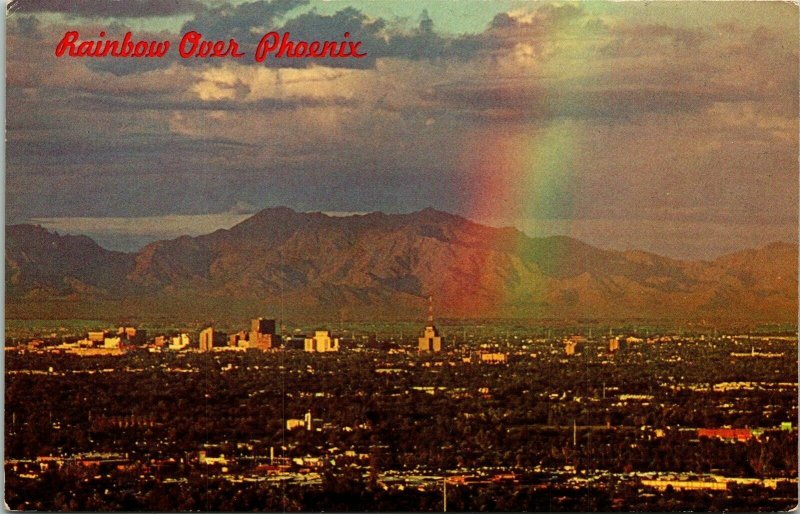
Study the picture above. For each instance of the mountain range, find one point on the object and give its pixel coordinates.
(380, 266)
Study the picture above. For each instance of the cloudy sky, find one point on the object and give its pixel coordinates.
(669, 127)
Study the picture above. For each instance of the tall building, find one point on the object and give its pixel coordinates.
(237, 338)
(574, 344)
(207, 340)
(132, 335)
(128, 332)
(262, 333)
(322, 342)
(263, 326)
(431, 340)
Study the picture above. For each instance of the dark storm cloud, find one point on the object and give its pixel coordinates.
(239, 21)
(107, 8)
(525, 101)
(628, 39)
(700, 123)
(547, 21)
(128, 67)
(247, 23)
(205, 188)
(115, 103)
(546, 15)
(243, 22)
(425, 43)
(28, 26)
(133, 148)
(312, 26)
(421, 43)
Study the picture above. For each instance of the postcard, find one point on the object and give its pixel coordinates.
(401, 255)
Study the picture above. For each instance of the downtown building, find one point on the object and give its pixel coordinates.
(321, 341)
(263, 335)
(431, 340)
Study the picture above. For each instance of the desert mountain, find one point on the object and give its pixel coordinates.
(380, 265)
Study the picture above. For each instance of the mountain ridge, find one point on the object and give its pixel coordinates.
(378, 265)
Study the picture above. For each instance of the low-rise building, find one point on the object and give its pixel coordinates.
(96, 336)
(322, 341)
(306, 422)
(732, 434)
(494, 358)
(111, 342)
(179, 342)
